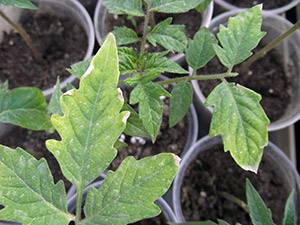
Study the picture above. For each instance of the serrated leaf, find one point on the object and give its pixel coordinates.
(203, 6)
(125, 35)
(259, 213)
(172, 6)
(200, 50)
(134, 125)
(240, 37)
(242, 122)
(290, 211)
(92, 121)
(54, 104)
(129, 7)
(128, 60)
(25, 107)
(150, 105)
(180, 101)
(25, 4)
(171, 37)
(128, 194)
(78, 69)
(28, 192)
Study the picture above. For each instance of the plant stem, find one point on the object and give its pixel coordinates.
(235, 200)
(145, 32)
(198, 77)
(24, 35)
(78, 204)
(273, 44)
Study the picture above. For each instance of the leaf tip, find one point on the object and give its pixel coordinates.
(177, 160)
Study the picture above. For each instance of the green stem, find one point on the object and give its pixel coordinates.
(198, 77)
(145, 32)
(235, 200)
(24, 35)
(78, 204)
(273, 44)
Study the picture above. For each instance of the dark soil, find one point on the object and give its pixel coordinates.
(266, 76)
(60, 41)
(34, 143)
(169, 140)
(215, 172)
(267, 4)
(159, 220)
(90, 5)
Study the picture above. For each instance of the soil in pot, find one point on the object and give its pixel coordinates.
(34, 143)
(60, 41)
(214, 173)
(267, 4)
(266, 76)
(169, 140)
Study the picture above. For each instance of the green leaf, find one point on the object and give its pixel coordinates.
(129, 7)
(180, 101)
(25, 107)
(172, 6)
(200, 50)
(259, 213)
(171, 37)
(92, 121)
(120, 145)
(28, 192)
(240, 37)
(128, 58)
(125, 35)
(290, 211)
(240, 119)
(134, 126)
(54, 104)
(78, 69)
(203, 6)
(128, 194)
(150, 105)
(25, 4)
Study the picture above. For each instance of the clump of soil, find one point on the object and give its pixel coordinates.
(213, 173)
(59, 40)
(267, 4)
(34, 143)
(266, 76)
(169, 140)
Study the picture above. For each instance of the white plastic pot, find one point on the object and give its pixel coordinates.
(71, 8)
(290, 48)
(283, 9)
(274, 155)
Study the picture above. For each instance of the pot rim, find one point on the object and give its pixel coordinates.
(196, 149)
(279, 10)
(274, 126)
(89, 30)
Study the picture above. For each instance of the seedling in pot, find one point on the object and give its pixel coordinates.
(258, 211)
(90, 125)
(25, 4)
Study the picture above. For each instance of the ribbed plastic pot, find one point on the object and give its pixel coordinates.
(100, 29)
(280, 10)
(165, 208)
(74, 10)
(274, 25)
(272, 154)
